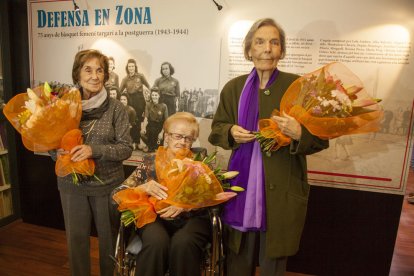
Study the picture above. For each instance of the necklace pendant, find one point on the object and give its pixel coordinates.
(267, 92)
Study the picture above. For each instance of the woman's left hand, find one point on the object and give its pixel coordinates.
(288, 126)
(170, 211)
(80, 153)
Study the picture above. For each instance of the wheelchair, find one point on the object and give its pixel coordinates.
(128, 245)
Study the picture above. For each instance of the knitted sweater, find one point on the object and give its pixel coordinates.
(111, 144)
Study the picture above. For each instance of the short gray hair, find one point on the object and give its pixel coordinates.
(248, 39)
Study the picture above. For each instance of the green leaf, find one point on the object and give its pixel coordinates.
(127, 217)
(321, 80)
(208, 159)
(97, 178)
(47, 90)
(198, 157)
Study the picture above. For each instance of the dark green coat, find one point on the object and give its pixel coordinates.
(287, 187)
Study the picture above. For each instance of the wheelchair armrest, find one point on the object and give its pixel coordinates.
(215, 219)
(214, 211)
(114, 191)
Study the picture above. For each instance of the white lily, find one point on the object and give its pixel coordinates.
(32, 95)
(207, 178)
(236, 188)
(179, 163)
(171, 171)
(31, 106)
(230, 174)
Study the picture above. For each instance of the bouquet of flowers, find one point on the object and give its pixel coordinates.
(47, 117)
(190, 182)
(43, 115)
(329, 102)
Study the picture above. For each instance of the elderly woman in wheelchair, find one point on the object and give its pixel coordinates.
(176, 239)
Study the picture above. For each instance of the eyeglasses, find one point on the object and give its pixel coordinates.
(177, 137)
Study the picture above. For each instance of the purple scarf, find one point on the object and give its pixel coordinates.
(247, 212)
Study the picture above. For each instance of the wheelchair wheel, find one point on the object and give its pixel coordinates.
(124, 262)
(215, 251)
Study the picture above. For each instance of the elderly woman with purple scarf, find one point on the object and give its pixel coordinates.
(268, 218)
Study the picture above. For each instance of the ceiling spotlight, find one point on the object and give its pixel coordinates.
(75, 7)
(219, 7)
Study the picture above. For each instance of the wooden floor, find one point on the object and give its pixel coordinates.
(32, 250)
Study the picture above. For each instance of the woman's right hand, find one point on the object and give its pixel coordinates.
(171, 212)
(61, 152)
(155, 189)
(241, 135)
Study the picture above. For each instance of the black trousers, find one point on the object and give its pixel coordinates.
(176, 246)
(244, 263)
(78, 211)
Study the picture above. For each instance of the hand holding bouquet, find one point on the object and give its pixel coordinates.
(190, 182)
(329, 102)
(65, 165)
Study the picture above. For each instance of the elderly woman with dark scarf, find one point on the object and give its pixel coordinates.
(107, 141)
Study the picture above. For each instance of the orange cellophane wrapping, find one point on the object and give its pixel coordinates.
(64, 165)
(192, 186)
(360, 121)
(187, 183)
(137, 202)
(269, 129)
(44, 129)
